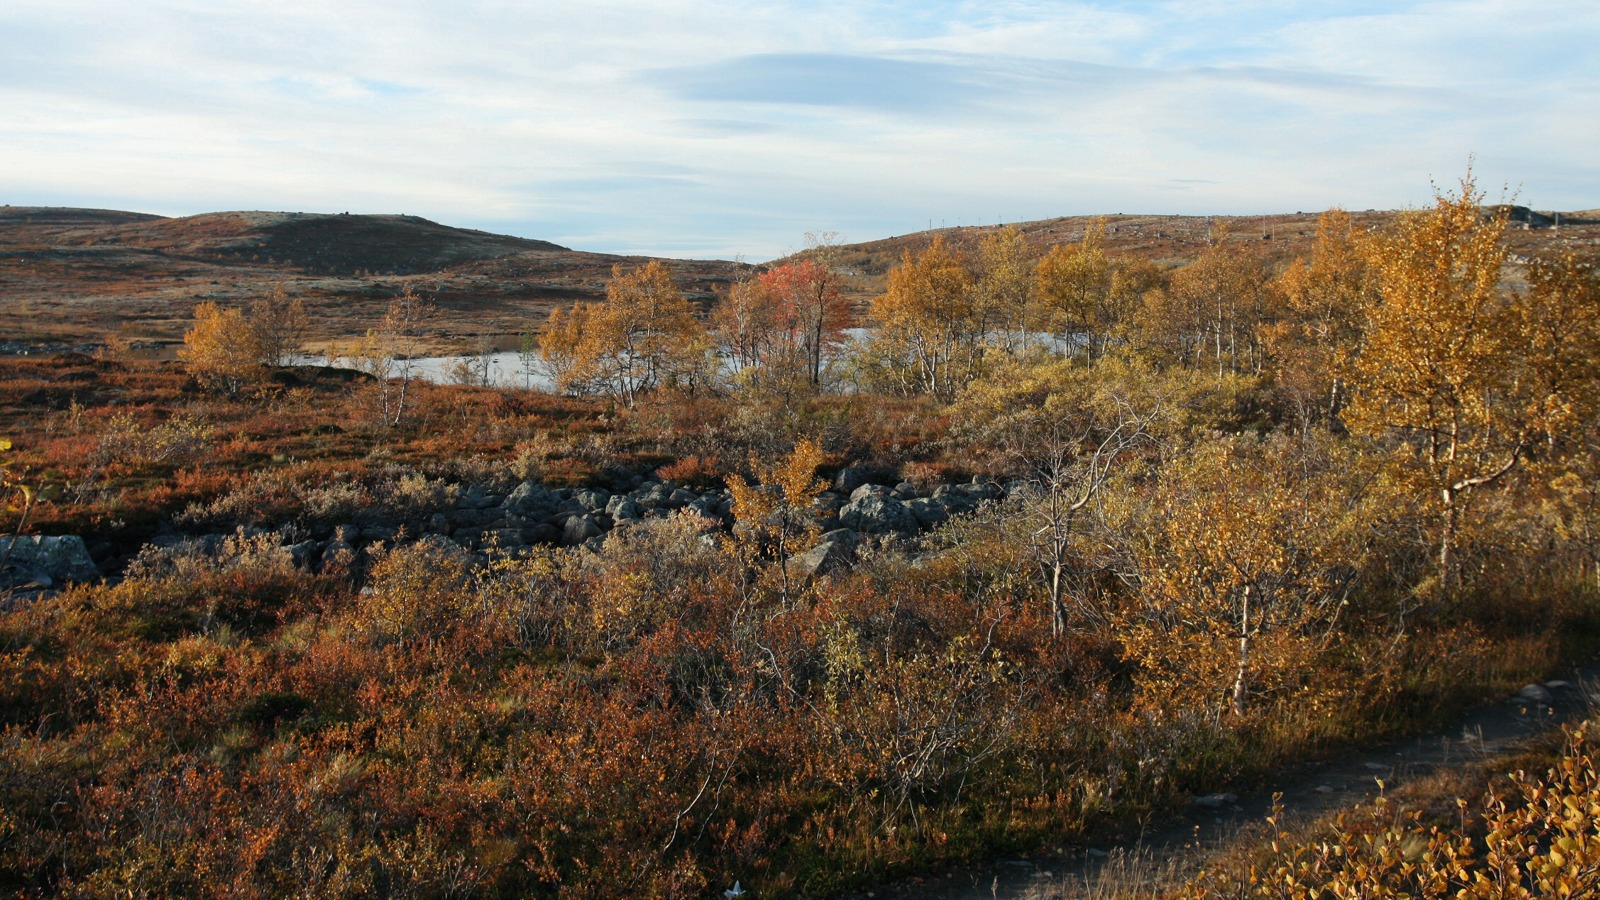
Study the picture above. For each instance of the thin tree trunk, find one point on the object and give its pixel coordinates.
(1447, 542)
(1240, 682)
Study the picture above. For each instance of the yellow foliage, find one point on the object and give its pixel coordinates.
(930, 331)
(1542, 842)
(222, 350)
(643, 337)
(774, 516)
(1240, 589)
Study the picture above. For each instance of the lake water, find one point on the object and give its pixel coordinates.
(505, 369)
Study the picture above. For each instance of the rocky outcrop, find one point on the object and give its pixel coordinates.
(479, 519)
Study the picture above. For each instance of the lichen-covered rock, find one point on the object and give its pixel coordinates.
(622, 508)
(835, 552)
(579, 529)
(878, 513)
(531, 499)
(929, 513)
(61, 558)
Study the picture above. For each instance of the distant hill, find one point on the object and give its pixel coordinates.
(1175, 240)
(76, 275)
(315, 243)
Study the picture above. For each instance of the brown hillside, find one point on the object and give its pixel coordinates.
(78, 275)
(75, 276)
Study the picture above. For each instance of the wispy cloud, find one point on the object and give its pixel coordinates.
(708, 128)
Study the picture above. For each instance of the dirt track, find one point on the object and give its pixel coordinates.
(1315, 789)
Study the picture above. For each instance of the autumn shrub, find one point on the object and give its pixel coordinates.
(303, 493)
(648, 574)
(408, 494)
(418, 592)
(697, 472)
(245, 581)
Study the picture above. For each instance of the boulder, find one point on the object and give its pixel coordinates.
(579, 529)
(868, 490)
(622, 508)
(836, 551)
(850, 478)
(373, 534)
(305, 554)
(928, 513)
(876, 514)
(61, 558)
(476, 498)
(531, 499)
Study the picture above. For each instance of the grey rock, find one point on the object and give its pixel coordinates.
(850, 478)
(304, 554)
(61, 558)
(542, 533)
(506, 538)
(442, 545)
(1535, 693)
(20, 579)
(681, 497)
(877, 514)
(594, 499)
(1216, 801)
(622, 508)
(337, 552)
(346, 534)
(976, 493)
(476, 498)
(928, 512)
(905, 490)
(868, 490)
(375, 533)
(477, 518)
(835, 552)
(579, 529)
(529, 497)
(438, 523)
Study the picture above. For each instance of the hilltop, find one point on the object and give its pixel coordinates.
(78, 275)
(1175, 240)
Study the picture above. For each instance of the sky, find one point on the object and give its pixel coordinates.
(710, 129)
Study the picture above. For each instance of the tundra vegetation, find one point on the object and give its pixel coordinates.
(1060, 541)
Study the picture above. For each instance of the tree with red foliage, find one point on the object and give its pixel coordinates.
(811, 314)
